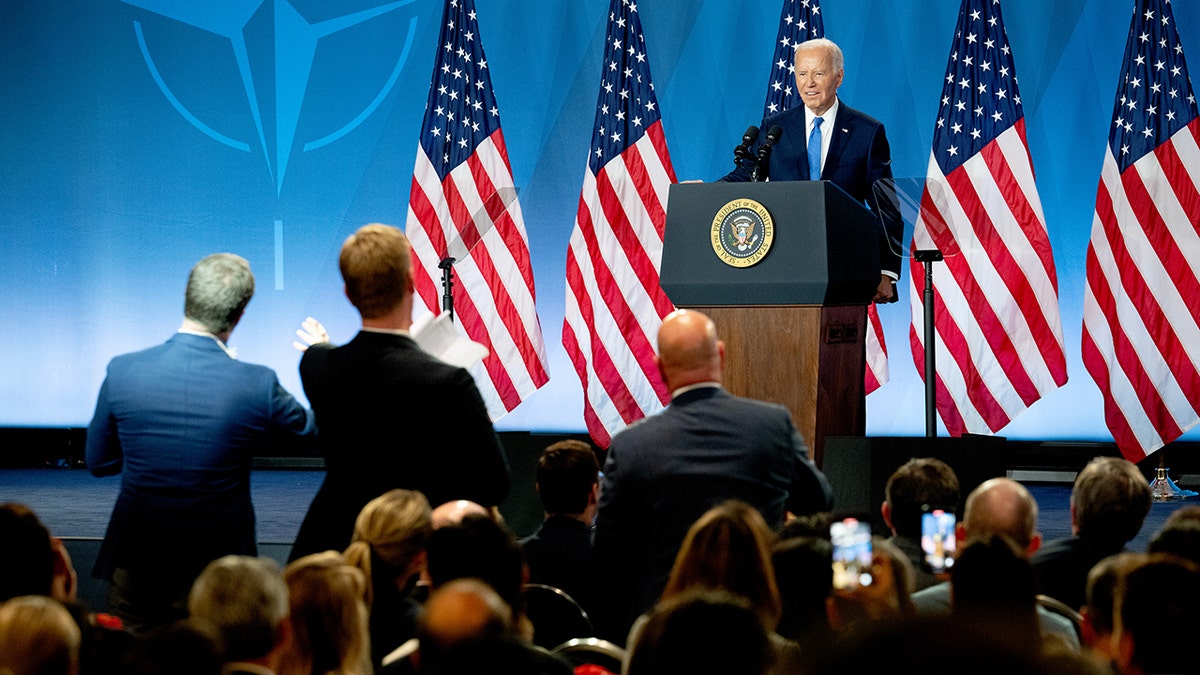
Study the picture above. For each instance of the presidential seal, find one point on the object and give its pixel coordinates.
(742, 233)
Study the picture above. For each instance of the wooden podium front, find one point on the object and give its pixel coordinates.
(794, 324)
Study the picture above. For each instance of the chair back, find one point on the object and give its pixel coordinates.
(594, 652)
(556, 616)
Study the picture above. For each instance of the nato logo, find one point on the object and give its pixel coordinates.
(283, 47)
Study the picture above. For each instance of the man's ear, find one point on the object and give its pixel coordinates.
(1035, 542)
(885, 510)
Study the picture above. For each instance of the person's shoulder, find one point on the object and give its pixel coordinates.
(784, 118)
(859, 117)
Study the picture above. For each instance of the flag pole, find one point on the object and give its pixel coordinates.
(927, 257)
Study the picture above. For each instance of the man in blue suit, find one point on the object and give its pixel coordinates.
(181, 422)
(828, 140)
(663, 472)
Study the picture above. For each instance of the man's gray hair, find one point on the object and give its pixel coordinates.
(245, 600)
(218, 290)
(835, 52)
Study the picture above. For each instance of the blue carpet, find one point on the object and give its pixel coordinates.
(73, 503)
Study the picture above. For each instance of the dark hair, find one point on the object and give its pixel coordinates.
(27, 566)
(218, 289)
(702, 631)
(479, 548)
(994, 584)
(804, 574)
(1181, 538)
(1157, 602)
(917, 483)
(566, 472)
(1110, 500)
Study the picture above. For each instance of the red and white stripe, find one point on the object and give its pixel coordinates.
(493, 287)
(999, 344)
(1141, 310)
(876, 374)
(614, 302)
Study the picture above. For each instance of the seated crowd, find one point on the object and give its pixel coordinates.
(415, 593)
(703, 547)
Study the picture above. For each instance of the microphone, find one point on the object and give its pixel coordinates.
(764, 153)
(742, 152)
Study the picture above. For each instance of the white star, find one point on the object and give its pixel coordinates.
(616, 137)
(997, 116)
(953, 150)
(975, 133)
(956, 127)
(1147, 132)
(971, 38)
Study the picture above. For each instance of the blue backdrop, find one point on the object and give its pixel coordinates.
(138, 137)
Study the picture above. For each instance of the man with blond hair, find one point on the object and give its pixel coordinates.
(390, 415)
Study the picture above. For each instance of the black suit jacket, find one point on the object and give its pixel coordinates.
(391, 416)
(859, 159)
(665, 471)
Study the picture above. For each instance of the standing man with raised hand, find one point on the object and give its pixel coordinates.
(826, 139)
(390, 415)
(181, 422)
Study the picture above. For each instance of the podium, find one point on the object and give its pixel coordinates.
(793, 318)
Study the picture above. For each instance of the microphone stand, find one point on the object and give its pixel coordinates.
(447, 267)
(927, 257)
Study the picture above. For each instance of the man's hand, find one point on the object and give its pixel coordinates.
(886, 292)
(311, 332)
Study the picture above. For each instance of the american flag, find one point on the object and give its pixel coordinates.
(1141, 309)
(614, 302)
(799, 21)
(463, 204)
(999, 343)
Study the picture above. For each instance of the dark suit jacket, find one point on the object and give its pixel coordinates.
(665, 471)
(559, 554)
(1061, 566)
(392, 416)
(859, 157)
(181, 422)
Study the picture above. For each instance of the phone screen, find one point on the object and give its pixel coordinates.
(851, 553)
(937, 539)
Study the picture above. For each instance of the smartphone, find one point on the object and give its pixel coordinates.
(851, 539)
(937, 539)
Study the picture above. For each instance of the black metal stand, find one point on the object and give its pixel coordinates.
(447, 267)
(927, 257)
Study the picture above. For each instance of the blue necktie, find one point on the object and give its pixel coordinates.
(814, 151)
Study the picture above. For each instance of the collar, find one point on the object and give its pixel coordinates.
(692, 387)
(828, 116)
(229, 351)
(387, 331)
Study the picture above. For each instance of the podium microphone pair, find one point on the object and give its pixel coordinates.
(762, 162)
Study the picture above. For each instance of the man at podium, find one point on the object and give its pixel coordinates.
(828, 140)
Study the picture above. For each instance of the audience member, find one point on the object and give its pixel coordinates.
(453, 512)
(386, 409)
(559, 553)
(37, 637)
(666, 470)
(886, 599)
(1109, 502)
(389, 547)
(1156, 603)
(181, 422)
(919, 484)
(1099, 621)
(182, 648)
(804, 574)
(34, 562)
(703, 631)
(1181, 538)
(480, 548)
(244, 601)
(1000, 506)
(328, 618)
(994, 591)
(467, 628)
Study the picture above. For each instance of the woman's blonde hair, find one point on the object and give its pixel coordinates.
(395, 528)
(328, 617)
